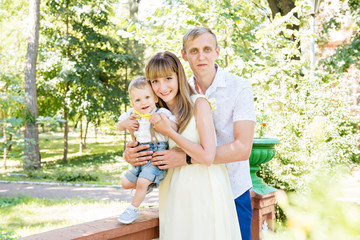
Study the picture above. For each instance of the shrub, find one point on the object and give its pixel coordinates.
(75, 176)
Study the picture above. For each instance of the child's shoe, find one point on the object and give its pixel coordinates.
(129, 215)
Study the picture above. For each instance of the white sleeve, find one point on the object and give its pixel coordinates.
(244, 104)
(125, 115)
(168, 114)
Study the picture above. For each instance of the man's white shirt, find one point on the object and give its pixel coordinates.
(234, 102)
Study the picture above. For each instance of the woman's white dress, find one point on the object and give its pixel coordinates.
(196, 202)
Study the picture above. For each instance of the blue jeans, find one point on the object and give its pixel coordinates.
(244, 212)
(148, 171)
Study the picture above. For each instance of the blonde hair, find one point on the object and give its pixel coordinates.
(163, 64)
(195, 32)
(139, 83)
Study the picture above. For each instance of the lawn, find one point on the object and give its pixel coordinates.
(23, 216)
(100, 163)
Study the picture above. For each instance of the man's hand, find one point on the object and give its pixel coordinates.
(169, 158)
(134, 157)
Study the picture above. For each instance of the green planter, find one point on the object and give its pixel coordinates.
(263, 150)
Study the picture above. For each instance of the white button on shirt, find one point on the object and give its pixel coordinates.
(234, 101)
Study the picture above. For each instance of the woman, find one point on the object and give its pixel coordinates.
(195, 200)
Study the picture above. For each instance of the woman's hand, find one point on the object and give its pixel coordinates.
(161, 124)
(134, 157)
(169, 158)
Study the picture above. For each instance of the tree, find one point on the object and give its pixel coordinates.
(85, 61)
(13, 40)
(32, 151)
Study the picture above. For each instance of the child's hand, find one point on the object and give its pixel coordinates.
(161, 123)
(130, 124)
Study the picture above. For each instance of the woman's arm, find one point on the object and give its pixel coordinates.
(205, 151)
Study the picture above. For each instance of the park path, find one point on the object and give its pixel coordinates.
(350, 189)
(55, 191)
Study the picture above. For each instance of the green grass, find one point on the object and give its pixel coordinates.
(23, 216)
(100, 163)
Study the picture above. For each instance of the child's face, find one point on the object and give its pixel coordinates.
(166, 87)
(143, 100)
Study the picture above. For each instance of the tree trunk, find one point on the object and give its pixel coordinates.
(5, 140)
(86, 131)
(66, 123)
(96, 128)
(81, 136)
(284, 7)
(32, 152)
(274, 7)
(66, 127)
(10, 146)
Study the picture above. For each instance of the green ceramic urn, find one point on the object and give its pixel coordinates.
(263, 150)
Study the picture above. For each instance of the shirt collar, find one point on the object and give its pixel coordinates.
(219, 80)
(154, 110)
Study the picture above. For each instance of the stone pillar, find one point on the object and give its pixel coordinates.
(263, 210)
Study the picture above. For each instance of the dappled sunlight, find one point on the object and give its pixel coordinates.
(36, 215)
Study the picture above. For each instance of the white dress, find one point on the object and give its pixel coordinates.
(196, 202)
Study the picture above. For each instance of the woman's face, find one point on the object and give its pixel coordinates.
(166, 88)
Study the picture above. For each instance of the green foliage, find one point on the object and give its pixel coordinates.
(319, 213)
(85, 66)
(6, 235)
(75, 176)
(11, 116)
(310, 114)
(8, 202)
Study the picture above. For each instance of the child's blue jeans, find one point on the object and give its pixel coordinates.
(148, 171)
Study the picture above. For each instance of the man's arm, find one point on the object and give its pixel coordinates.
(240, 148)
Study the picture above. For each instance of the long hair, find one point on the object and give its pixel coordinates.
(163, 64)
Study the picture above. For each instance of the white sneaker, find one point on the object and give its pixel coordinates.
(129, 215)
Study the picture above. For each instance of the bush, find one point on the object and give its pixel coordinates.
(319, 213)
(75, 176)
(6, 235)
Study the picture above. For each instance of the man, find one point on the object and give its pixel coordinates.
(234, 120)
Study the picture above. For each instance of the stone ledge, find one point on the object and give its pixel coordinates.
(146, 227)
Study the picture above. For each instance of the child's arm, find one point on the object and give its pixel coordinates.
(200, 153)
(129, 123)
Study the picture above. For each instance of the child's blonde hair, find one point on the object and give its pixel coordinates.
(163, 64)
(139, 83)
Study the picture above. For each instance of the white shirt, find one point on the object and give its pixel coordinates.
(234, 101)
(143, 134)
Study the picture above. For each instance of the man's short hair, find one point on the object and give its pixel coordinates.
(195, 32)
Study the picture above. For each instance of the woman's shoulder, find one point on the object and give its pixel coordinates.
(204, 98)
(194, 97)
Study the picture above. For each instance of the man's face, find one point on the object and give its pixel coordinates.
(201, 54)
